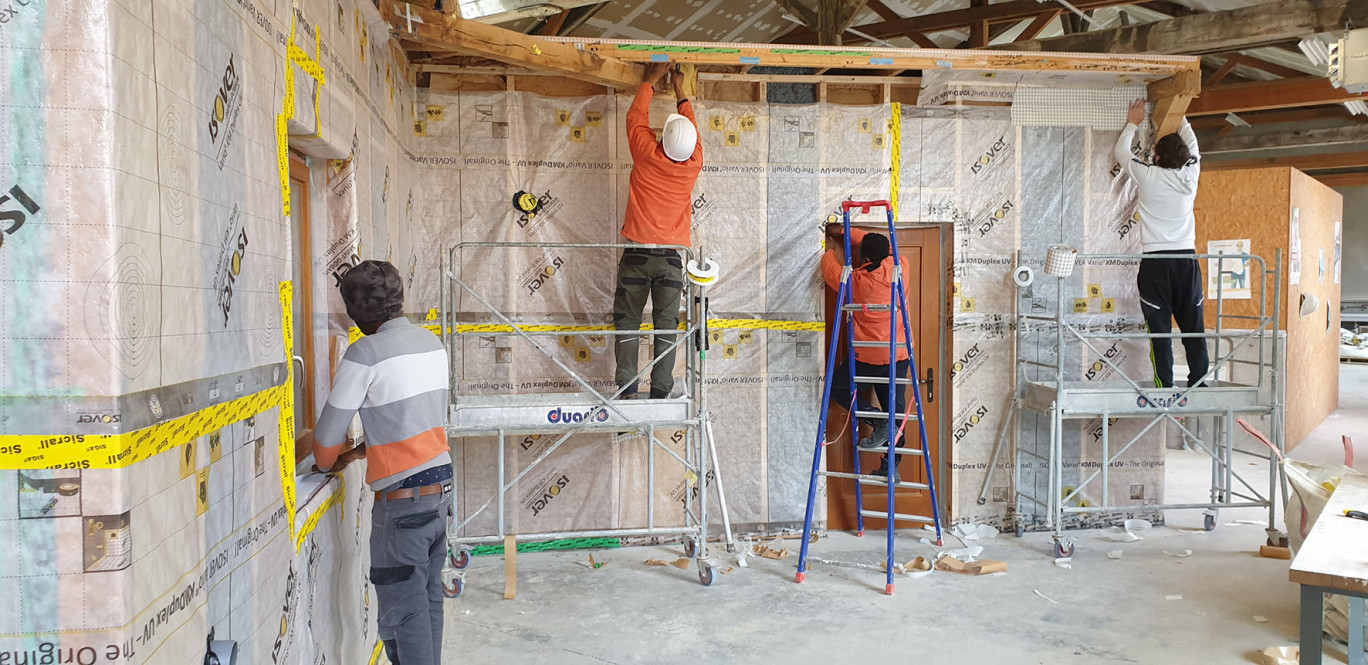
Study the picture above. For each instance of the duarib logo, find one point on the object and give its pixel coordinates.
(559, 415)
(1177, 400)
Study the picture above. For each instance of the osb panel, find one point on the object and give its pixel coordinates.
(1256, 204)
(1244, 204)
(468, 82)
(854, 94)
(731, 91)
(1313, 340)
(555, 86)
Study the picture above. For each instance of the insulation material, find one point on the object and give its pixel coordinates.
(143, 287)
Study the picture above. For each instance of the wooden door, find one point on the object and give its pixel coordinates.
(920, 251)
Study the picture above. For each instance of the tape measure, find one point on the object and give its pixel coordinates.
(526, 203)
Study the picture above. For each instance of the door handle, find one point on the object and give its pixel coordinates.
(930, 384)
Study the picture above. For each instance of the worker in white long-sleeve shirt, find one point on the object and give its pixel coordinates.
(1170, 288)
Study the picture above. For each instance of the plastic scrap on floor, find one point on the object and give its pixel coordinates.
(1114, 555)
(969, 531)
(1038, 593)
(1132, 531)
(1254, 522)
(1260, 619)
(1181, 555)
(596, 564)
(776, 553)
(1280, 655)
(1174, 597)
(965, 553)
(1064, 562)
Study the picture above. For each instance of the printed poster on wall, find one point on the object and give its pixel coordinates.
(1339, 248)
(1230, 275)
(1294, 255)
(1320, 261)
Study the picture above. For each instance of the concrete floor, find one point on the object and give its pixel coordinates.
(1147, 607)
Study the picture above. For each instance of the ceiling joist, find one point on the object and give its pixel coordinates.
(1279, 94)
(959, 19)
(1306, 138)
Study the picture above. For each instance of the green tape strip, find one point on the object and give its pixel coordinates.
(817, 51)
(550, 545)
(662, 48)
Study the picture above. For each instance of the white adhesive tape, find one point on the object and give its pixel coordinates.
(1023, 276)
(702, 275)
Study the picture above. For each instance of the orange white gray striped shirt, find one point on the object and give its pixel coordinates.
(397, 379)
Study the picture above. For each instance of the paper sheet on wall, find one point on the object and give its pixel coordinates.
(1339, 248)
(1294, 257)
(1229, 277)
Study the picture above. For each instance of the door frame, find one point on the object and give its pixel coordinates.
(300, 221)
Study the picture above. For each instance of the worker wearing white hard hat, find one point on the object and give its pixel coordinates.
(659, 212)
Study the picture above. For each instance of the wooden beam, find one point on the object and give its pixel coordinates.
(1304, 138)
(1214, 32)
(921, 40)
(449, 32)
(1333, 112)
(849, 8)
(800, 11)
(552, 26)
(978, 30)
(772, 55)
(1171, 97)
(883, 11)
(1280, 94)
(828, 22)
(1359, 179)
(1270, 67)
(959, 19)
(1038, 25)
(1337, 160)
(1229, 66)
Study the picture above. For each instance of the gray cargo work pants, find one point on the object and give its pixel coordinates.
(642, 272)
(408, 548)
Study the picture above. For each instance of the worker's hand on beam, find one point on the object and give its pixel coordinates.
(1136, 114)
(677, 81)
(657, 72)
(835, 232)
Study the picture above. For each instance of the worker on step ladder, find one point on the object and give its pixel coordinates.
(871, 283)
(872, 301)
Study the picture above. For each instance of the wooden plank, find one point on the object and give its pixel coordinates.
(891, 58)
(1169, 112)
(883, 11)
(1227, 68)
(1280, 94)
(920, 39)
(1333, 554)
(447, 32)
(978, 30)
(1214, 32)
(1359, 179)
(1333, 112)
(959, 19)
(510, 567)
(1304, 138)
(1038, 25)
(553, 25)
(470, 82)
(1338, 160)
(800, 11)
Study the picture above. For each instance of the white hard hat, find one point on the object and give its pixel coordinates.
(679, 138)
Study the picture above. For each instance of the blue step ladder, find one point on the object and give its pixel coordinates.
(846, 309)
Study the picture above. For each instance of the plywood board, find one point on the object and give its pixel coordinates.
(1333, 556)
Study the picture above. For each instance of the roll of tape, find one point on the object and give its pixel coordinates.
(1024, 276)
(702, 275)
(222, 652)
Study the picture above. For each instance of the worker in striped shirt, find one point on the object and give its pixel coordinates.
(396, 378)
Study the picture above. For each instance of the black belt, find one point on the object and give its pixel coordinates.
(651, 251)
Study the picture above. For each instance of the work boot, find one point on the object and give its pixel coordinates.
(882, 472)
(878, 440)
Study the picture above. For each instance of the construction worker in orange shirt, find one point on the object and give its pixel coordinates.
(871, 283)
(659, 212)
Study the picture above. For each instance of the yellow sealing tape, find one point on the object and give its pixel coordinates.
(338, 496)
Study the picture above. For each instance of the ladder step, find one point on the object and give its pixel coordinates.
(879, 380)
(880, 415)
(896, 451)
(865, 344)
(866, 479)
(871, 307)
(897, 516)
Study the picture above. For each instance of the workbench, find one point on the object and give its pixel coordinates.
(1334, 559)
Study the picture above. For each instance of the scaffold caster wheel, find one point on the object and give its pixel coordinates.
(705, 575)
(459, 560)
(1062, 550)
(1280, 542)
(453, 588)
(1020, 529)
(1209, 522)
(690, 548)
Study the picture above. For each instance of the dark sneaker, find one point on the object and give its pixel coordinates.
(882, 472)
(878, 440)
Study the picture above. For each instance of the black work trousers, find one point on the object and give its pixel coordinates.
(1172, 289)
